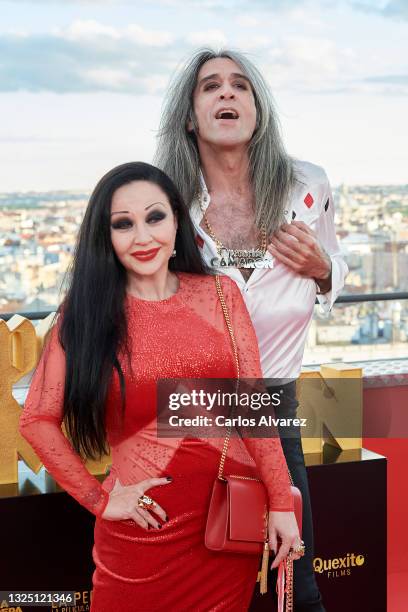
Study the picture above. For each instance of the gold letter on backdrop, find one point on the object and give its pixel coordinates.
(18, 355)
(332, 402)
(20, 347)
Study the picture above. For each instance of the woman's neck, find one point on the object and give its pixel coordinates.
(156, 287)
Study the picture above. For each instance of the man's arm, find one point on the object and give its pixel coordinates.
(314, 254)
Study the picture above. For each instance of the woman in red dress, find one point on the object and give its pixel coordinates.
(140, 307)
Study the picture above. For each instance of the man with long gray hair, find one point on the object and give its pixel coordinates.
(261, 217)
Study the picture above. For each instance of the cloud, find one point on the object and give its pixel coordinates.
(226, 6)
(91, 30)
(152, 38)
(307, 64)
(88, 56)
(387, 8)
(390, 79)
(247, 21)
(86, 30)
(216, 4)
(212, 38)
(396, 9)
(68, 1)
(388, 84)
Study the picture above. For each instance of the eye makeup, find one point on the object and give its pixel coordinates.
(122, 223)
(155, 215)
(126, 222)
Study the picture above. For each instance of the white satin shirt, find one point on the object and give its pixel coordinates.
(279, 301)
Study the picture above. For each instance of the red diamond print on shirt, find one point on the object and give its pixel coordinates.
(308, 200)
(199, 241)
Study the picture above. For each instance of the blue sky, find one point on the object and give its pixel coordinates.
(82, 82)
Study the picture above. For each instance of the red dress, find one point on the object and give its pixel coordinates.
(170, 569)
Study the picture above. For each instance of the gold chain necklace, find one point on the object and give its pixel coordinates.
(242, 258)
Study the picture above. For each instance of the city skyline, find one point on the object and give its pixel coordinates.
(38, 233)
(82, 83)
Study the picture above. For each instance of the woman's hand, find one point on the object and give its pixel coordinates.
(283, 525)
(123, 503)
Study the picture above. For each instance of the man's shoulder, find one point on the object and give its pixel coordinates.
(309, 173)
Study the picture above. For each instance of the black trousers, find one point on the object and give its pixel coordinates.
(307, 597)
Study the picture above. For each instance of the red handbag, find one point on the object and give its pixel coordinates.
(238, 514)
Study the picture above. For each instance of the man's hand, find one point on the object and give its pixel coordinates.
(297, 246)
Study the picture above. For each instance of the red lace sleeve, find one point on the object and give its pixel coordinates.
(266, 452)
(40, 424)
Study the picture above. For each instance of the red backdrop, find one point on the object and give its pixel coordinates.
(394, 402)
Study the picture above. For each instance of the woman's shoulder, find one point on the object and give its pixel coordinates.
(206, 281)
(196, 280)
(195, 285)
(202, 288)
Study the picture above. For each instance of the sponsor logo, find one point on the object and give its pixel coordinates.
(338, 566)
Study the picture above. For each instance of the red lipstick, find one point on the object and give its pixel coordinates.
(146, 255)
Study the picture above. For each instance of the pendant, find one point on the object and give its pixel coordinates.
(236, 258)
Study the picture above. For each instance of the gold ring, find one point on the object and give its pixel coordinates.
(299, 550)
(146, 502)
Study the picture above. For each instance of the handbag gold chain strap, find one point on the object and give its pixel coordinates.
(288, 562)
(235, 353)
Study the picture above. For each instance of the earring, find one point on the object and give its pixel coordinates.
(174, 253)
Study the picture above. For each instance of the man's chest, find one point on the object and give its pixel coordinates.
(231, 227)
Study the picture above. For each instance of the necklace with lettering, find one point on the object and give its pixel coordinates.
(238, 258)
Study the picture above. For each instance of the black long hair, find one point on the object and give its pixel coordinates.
(93, 325)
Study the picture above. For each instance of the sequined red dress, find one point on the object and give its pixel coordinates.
(168, 569)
